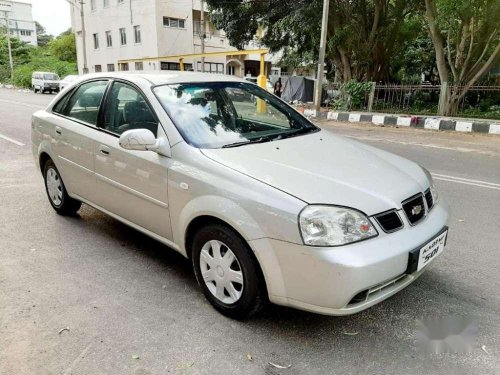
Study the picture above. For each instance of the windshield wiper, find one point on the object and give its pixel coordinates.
(255, 140)
(298, 132)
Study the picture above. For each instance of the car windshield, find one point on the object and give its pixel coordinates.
(229, 114)
(50, 77)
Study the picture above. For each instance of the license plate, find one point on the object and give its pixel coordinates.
(431, 250)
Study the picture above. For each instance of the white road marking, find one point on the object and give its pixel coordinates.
(12, 140)
(37, 106)
(428, 145)
(437, 175)
(467, 183)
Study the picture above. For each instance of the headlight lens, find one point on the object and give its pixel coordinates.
(434, 192)
(334, 226)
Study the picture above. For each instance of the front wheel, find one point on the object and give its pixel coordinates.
(227, 272)
(56, 192)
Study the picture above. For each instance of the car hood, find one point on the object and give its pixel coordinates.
(322, 168)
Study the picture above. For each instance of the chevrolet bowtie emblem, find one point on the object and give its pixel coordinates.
(416, 210)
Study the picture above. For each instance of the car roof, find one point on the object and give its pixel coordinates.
(44, 73)
(162, 78)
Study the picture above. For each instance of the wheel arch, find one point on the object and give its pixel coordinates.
(42, 159)
(203, 220)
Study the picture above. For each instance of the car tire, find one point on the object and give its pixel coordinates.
(56, 192)
(243, 288)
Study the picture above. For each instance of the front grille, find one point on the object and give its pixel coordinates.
(389, 221)
(429, 199)
(414, 208)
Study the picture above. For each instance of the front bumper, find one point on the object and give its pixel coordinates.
(330, 280)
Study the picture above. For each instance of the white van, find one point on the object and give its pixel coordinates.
(44, 82)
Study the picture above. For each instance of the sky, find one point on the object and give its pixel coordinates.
(54, 15)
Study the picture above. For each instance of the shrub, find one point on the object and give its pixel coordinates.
(41, 62)
(353, 95)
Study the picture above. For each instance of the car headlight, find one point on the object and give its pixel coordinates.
(334, 226)
(432, 187)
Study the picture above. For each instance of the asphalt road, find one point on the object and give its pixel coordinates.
(132, 305)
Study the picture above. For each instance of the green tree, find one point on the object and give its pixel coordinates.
(41, 59)
(466, 39)
(20, 55)
(43, 39)
(362, 34)
(64, 47)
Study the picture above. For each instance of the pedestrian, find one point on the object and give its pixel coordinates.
(278, 88)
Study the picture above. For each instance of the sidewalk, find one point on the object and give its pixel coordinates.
(425, 122)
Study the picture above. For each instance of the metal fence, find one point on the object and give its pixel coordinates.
(478, 101)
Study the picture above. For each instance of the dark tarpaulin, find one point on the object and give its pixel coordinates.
(298, 89)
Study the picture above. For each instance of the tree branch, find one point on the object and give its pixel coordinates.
(469, 52)
(484, 69)
(376, 19)
(450, 62)
(485, 50)
(461, 46)
(437, 39)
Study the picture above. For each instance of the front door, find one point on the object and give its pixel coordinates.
(131, 184)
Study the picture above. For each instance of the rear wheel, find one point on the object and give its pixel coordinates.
(56, 192)
(227, 272)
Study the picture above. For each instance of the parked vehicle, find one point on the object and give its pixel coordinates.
(266, 205)
(44, 82)
(66, 81)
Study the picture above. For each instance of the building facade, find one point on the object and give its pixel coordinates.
(121, 30)
(20, 16)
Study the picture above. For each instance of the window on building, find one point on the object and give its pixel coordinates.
(123, 36)
(25, 32)
(120, 1)
(96, 41)
(211, 67)
(123, 67)
(92, 4)
(139, 65)
(111, 67)
(105, 3)
(109, 39)
(177, 23)
(175, 66)
(137, 34)
(98, 68)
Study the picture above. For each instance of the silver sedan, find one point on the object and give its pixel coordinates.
(266, 205)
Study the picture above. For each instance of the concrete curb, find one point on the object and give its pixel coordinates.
(423, 122)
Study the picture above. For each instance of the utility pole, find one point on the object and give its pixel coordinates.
(321, 61)
(202, 34)
(84, 40)
(9, 47)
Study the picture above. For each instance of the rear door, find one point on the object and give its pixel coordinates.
(131, 184)
(75, 130)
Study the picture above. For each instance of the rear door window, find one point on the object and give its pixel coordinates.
(85, 103)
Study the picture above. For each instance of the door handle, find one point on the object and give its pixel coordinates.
(58, 130)
(104, 150)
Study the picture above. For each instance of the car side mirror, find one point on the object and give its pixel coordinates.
(144, 140)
